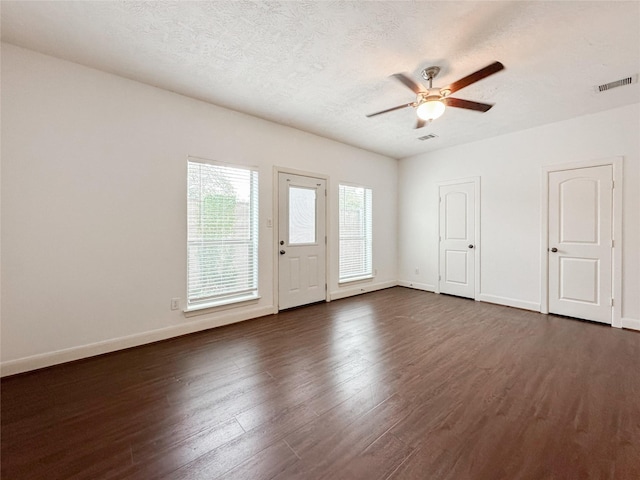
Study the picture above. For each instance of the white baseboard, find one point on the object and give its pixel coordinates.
(34, 362)
(360, 288)
(631, 323)
(418, 286)
(509, 302)
(76, 353)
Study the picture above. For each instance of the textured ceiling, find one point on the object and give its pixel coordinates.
(322, 66)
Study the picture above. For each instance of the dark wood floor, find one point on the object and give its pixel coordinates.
(397, 384)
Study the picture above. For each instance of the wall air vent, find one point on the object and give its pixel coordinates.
(617, 83)
(428, 137)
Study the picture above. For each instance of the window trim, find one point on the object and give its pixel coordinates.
(363, 278)
(221, 305)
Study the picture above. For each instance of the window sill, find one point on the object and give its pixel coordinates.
(219, 305)
(355, 280)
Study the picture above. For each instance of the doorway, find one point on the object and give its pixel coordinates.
(301, 240)
(579, 240)
(459, 222)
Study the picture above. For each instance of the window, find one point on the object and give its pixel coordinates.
(222, 234)
(355, 233)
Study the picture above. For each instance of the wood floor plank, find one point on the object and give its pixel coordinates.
(184, 450)
(262, 466)
(397, 384)
(330, 444)
(376, 461)
(218, 461)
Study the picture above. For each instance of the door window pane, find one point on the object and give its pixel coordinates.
(302, 215)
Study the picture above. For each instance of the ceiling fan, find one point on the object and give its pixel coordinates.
(430, 103)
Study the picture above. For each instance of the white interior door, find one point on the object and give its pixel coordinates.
(580, 222)
(457, 239)
(302, 240)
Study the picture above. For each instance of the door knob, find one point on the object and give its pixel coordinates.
(554, 249)
(281, 242)
(470, 246)
(282, 252)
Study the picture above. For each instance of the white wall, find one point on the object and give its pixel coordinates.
(510, 168)
(94, 214)
(93, 205)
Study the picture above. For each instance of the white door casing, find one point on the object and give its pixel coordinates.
(301, 240)
(458, 249)
(580, 242)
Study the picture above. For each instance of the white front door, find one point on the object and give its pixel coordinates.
(580, 222)
(457, 239)
(301, 240)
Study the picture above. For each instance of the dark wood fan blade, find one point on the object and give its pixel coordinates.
(420, 123)
(468, 104)
(390, 109)
(415, 87)
(474, 77)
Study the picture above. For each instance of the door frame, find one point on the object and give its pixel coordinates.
(477, 243)
(616, 234)
(276, 229)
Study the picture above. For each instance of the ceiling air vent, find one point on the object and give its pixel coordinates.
(617, 83)
(428, 137)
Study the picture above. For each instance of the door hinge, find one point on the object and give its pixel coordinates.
(325, 192)
(325, 239)
(613, 184)
(439, 277)
(612, 302)
(612, 243)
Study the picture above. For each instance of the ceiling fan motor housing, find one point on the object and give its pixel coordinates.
(430, 95)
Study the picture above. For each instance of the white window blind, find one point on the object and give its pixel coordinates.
(222, 234)
(355, 210)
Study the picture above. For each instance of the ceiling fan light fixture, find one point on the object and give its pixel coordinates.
(430, 109)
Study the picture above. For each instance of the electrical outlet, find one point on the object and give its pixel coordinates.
(175, 304)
